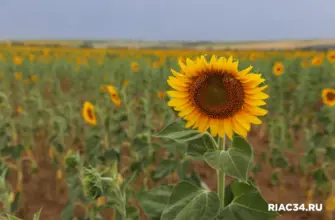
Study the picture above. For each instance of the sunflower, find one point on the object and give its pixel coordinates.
(278, 68)
(331, 56)
(89, 114)
(317, 61)
(17, 60)
(328, 96)
(216, 95)
(112, 94)
(304, 64)
(18, 75)
(161, 95)
(135, 67)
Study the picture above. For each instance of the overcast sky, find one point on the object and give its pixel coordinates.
(217, 20)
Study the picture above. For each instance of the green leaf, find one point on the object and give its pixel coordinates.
(330, 154)
(198, 147)
(11, 217)
(190, 202)
(15, 205)
(37, 215)
(247, 204)
(67, 212)
(235, 161)
(165, 168)
(132, 213)
(154, 201)
(321, 179)
(176, 131)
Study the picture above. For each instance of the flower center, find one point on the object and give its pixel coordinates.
(218, 95)
(90, 113)
(331, 96)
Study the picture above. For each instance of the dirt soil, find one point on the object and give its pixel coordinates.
(42, 190)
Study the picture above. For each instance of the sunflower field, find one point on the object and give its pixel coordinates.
(122, 134)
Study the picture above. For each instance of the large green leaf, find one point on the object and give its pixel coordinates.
(190, 202)
(154, 201)
(176, 131)
(67, 212)
(235, 161)
(198, 147)
(247, 204)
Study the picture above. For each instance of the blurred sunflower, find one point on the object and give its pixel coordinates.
(156, 64)
(89, 114)
(17, 60)
(135, 66)
(112, 94)
(217, 95)
(317, 61)
(304, 64)
(331, 56)
(18, 75)
(161, 95)
(278, 68)
(125, 82)
(328, 96)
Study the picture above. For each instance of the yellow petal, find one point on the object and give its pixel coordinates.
(202, 123)
(177, 102)
(251, 118)
(238, 128)
(186, 111)
(255, 110)
(260, 95)
(254, 102)
(228, 127)
(175, 73)
(245, 71)
(255, 90)
(178, 94)
(242, 121)
(221, 128)
(214, 126)
(192, 120)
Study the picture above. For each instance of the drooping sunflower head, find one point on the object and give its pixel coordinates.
(217, 95)
(328, 96)
(89, 114)
(278, 68)
(112, 94)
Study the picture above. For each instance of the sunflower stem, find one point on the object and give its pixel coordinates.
(221, 177)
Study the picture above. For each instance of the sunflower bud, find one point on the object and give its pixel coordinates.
(59, 174)
(102, 200)
(11, 197)
(119, 179)
(72, 160)
(95, 184)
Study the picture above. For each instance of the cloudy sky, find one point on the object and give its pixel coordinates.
(217, 20)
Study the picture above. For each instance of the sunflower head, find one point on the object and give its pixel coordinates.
(135, 66)
(331, 56)
(217, 95)
(89, 114)
(114, 95)
(317, 61)
(328, 96)
(278, 68)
